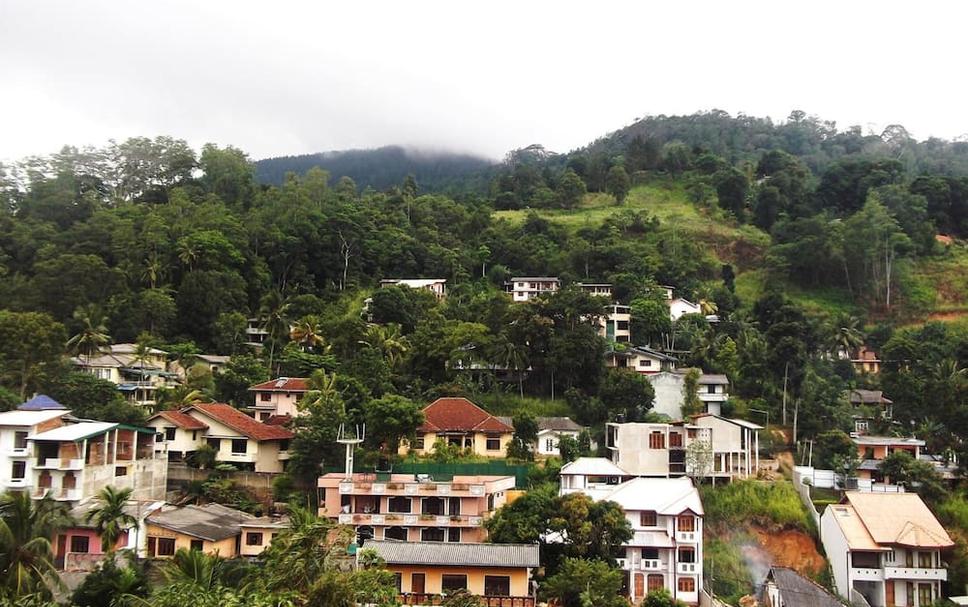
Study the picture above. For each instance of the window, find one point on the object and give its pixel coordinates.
(493, 443)
(691, 433)
(549, 445)
(432, 505)
(925, 560)
(159, 437)
(712, 390)
(655, 582)
(239, 446)
(166, 546)
(687, 584)
(214, 443)
(432, 534)
(253, 539)
(418, 443)
(198, 545)
(675, 439)
(645, 362)
(452, 582)
(687, 555)
(889, 556)
(19, 440)
(650, 554)
(120, 471)
(687, 523)
(656, 440)
(497, 585)
(265, 396)
(170, 433)
(623, 325)
(453, 534)
(284, 445)
(398, 503)
(19, 471)
(453, 507)
(647, 518)
(398, 581)
(80, 543)
(395, 533)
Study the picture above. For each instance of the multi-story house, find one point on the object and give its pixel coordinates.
(866, 361)
(616, 324)
(679, 307)
(407, 507)
(76, 460)
(872, 450)
(526, 288)
(459, 422)
(600, 289)
(497, 573)
(550, 431)
(887, 547)
(666, 515)
(278, 397)
(639, 359)
(712, 390)
(236, 438)
(38, 414)
(437, 286)
(870, 406)
(178, 434)
(708, 447)
(255, 332)
(138, 377)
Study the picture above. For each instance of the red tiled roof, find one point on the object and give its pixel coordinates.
(277, 420)
(181, 420)
(459, 415)
(235, 419)
(282, 384)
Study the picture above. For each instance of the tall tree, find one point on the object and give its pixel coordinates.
(109, 516)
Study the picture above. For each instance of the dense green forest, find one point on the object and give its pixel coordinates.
(804, 247)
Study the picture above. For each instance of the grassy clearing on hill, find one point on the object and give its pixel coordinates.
(512, 404)
(771, 505)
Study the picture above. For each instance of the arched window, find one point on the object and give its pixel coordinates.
(396, 533)
(432, 534)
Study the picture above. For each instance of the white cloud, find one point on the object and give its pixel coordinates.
(293, 77)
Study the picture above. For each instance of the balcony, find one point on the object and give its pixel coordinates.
(17, 483)
(57, 463)
(916, 573)
(687, 567)
(690, 537)
(413, 489)
(866, 574)
(411, 598)
(651, 565)
(18, 452)
(412, 520)
(66, 495)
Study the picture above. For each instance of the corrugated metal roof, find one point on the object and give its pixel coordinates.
(465, 555)
(29, 418)
(75, 431)
(558, 423)
(800, 591)
(211, 522)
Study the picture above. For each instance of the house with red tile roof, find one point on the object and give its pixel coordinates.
(278, 397)
(458, 421)
(237, 438)
(179, 434)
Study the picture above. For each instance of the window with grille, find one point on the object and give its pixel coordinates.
(656, 440)
(687, 584)
(687, 523)
(648, 518)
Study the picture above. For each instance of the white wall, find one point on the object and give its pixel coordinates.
(553, 435)
(668, 393)
(835, 546)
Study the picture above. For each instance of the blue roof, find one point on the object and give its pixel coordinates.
(41, 402)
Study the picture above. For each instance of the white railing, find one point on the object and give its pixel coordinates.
(687, 567)
(650, 564)
(866, 574)
(916, 573)
(686, 536)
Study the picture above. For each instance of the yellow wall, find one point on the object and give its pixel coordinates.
(480, 445)
(267, 535)
(475, 577)
(224, 548)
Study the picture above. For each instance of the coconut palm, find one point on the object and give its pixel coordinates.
(847, 336)
(153, 271)
(93, 334)
(179, 397)
(109, 517)
(389, 340)
(188, 253)
(193, 567)
(26, 556)
(708, 307)
(275, 318)
(515, 357)
(308, 334)
(322, 389)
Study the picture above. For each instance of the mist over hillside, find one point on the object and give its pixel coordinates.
(383, 167)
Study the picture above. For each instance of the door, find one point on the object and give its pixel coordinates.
(417, 583)
(151, 546)
(639, 585)
(889, 593)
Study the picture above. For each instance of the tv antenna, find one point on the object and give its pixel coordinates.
(351, 442)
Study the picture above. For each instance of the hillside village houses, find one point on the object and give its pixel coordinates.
(137, 376)
(886, 547)
(666, 515)
(236, 438)
(17, 460)
(870, 406)
(211, 528)
(78, 547)
(459, 422)
(550, 431)
(437, 286)
(278, 397)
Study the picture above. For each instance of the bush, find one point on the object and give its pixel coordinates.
(767, 504)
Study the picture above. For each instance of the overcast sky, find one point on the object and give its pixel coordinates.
(294, 77)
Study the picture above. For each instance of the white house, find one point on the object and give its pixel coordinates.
(886, 547)
(526, 288)
(178, 435)
(255, 332)
(437, 286)
(278, 397)
(679, 307)
(240, 440)
(639, 359)
(550, 431)
(599, 289)
(616, 324)
(712, 390)
(666, 515)
(38, 414)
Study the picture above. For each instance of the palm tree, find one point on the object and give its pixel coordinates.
(299, 555)
(275, 318)
(515, 357)
(847, 335)
(193, 567)
(322, 389)
(389, 340)
(708, 307)
(26, 556)
(153, 270)
(93, 334)
(308, 334)
(188, 253)
(179, 397)
(109, 517)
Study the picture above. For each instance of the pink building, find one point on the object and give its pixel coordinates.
(278, 397)
(409, 507)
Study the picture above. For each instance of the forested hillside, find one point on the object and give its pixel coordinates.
(387, 166)
(802, 260)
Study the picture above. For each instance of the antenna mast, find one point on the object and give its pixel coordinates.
(351, 442)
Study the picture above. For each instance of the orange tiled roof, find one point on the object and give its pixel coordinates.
(452, 414)
(235, 419)
(181, 420)
(282, 384)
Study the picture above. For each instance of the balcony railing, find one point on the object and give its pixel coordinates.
(867, 574)
(413, 598)
(687, 567)
(686, 536)
(916, 573)
(58, 463)
(423, 520)
(415, 489)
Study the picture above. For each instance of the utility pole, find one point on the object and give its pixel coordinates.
(796, 413)
(786, 372)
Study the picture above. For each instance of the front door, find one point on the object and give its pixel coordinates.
(889, 593)
(417, 583)
(639, 585)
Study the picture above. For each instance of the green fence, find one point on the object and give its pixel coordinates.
(446, 472)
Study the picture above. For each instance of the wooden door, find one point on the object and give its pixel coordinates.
(639, 585)
(417, 583)
(889, 593)
(151, 546)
